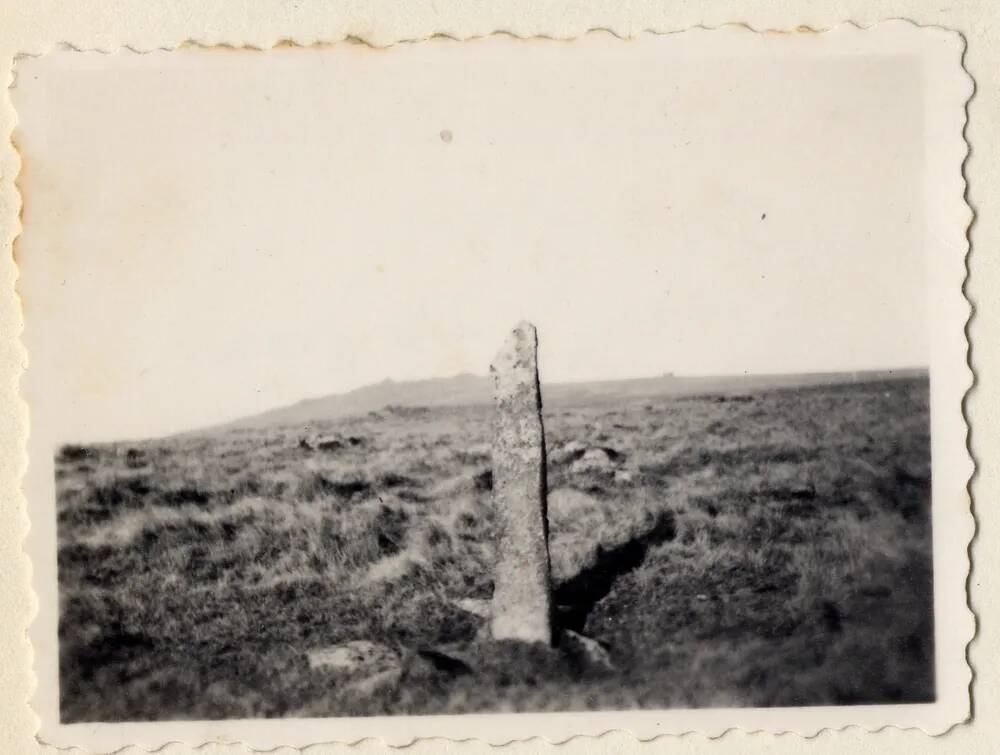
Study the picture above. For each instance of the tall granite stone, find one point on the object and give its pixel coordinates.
(522, 599)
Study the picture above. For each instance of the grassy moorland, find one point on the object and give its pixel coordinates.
(770, 548)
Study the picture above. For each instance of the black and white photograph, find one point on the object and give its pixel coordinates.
(499, 376)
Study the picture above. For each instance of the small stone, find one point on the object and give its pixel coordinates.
(321, 442)
(354, 657)
(701, 596)
(592, 656)
(623, 476)
(594, 460)
(568, 452)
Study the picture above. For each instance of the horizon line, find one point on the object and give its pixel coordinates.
(583, 381)
(674, 375)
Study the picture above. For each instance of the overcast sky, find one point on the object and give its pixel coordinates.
(209, 233)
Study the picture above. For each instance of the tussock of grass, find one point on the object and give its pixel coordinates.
(777, 550)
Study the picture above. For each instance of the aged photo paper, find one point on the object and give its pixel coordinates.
(497, 388)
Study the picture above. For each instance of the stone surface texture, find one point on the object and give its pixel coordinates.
(522, 601)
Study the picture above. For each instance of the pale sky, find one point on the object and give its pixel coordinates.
(210, 233)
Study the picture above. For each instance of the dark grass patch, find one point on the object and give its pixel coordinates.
(124, 492)
(315, 485)
(695, 458)
(100, 566)
(412, 496)
(184, 495)
(484, 480)
(393, 480)
(792, 501)
(472, 458)
(135, 458)
(72, 453)
(390, 526)
(906, 492)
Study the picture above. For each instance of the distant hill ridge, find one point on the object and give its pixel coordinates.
(469, 390)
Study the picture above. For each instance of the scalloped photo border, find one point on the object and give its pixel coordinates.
(949, 90)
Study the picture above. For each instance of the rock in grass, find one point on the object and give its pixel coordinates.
(590, 655)
(522, 600)
(594, 460)
(363, 667)
(568, 452)
(361, 658)
(328, 444)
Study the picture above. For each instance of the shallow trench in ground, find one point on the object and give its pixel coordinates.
(576, 597)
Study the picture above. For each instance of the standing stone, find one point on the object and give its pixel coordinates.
(522, 601)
